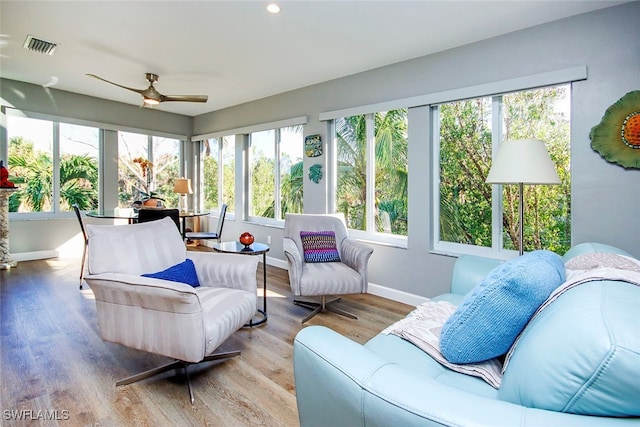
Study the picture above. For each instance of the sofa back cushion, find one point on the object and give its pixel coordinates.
(135, 249)
(497, 310)
(469, 271)
(581, 354)
(590, 248)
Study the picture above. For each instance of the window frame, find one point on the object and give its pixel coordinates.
(549, 78)
(277, 219)
(151, 141)
(102, 155)
(199, 173)
(55, 211)
(369, 233)
(242, 163)
(496, 250)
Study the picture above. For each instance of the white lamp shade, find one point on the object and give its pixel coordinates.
(524, 161)
(182, 186)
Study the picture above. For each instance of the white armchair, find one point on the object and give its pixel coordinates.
(165, 317)
(323, 279)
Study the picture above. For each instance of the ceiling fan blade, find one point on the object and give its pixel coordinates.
(116, 84)
(151, 95)
(184, 98)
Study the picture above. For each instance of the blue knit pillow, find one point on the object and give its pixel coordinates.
(185, 272)
(319, 246)
(490, 318)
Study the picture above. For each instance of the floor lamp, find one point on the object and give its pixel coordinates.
(524, 161)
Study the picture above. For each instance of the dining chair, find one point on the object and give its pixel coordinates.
(153, 214)
(208, 235)
(76, 208)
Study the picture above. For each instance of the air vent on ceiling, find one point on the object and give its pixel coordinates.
(38, 45)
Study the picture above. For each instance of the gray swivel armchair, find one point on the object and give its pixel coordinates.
(185, 315)
(348, 275)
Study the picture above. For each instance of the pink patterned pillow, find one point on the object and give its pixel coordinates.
(319, 246)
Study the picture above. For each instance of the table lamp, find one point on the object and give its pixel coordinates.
(524, 161)
(182, 186)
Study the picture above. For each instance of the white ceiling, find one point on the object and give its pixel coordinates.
(235, 51)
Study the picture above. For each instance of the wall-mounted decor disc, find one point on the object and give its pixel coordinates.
(617, 137)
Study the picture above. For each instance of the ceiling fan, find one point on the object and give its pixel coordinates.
(151, 96)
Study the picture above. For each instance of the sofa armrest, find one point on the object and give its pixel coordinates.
(356, 255)
(294, 259)
(342, 383)
(226, 270)
(468, 272)
(144, 292)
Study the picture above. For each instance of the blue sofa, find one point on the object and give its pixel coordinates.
(584, 353)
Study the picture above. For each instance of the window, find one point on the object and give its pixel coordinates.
(472, 214)
(147, 167)
(372, 171)
(218, 182)
(262, 167)
(54, 164)
(291, 182)
(166, 161)
(275, 166)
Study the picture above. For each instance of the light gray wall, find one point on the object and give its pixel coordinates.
(606, 197)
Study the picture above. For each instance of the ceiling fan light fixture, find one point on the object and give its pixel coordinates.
(273, 8)
(151, 101)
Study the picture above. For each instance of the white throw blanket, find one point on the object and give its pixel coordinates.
(423, 325)
(422, 328)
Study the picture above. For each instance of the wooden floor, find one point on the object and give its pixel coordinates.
(55, 365)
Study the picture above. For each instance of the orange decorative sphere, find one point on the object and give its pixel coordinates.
(631, 130)
(246, 238)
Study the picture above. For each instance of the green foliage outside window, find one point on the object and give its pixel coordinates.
(263, 172)
(32, 171)
(391, 172)
(465, 159)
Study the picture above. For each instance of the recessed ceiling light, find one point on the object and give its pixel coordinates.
(273, 8)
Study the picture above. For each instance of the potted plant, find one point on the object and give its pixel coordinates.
(149, 197)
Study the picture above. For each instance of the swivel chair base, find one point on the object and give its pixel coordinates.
(322, 306)
(175, 365)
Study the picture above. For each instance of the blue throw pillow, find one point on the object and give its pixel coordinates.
(490, 318)
(319, 246)
(185, 272)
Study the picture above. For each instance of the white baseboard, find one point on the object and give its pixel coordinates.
(33, 256)
(280, 263)
(396, 295)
